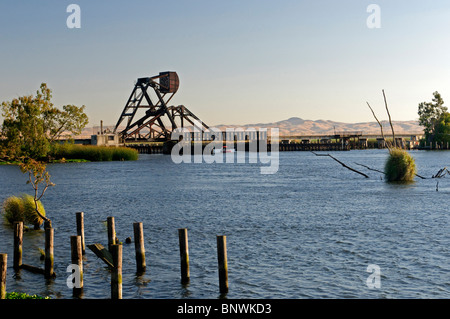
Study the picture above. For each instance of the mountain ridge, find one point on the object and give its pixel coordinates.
(299, 126)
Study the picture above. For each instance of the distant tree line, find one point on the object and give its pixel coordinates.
(435, 119)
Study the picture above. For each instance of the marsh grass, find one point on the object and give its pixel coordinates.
(400, 166)
(93, 153)
(22, 209)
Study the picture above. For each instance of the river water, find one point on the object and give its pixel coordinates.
(311, 230)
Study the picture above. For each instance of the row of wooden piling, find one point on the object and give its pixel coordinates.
(48, 271)
(112, 256)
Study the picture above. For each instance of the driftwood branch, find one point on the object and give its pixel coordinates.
(441, 173)
(372, 169)
(352, 169)
(377, 170)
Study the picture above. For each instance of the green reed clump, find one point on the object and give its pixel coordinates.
(13, 210)
(400, 166)
(22, 209)
(94, 153)
(125, 154)
(22, 295)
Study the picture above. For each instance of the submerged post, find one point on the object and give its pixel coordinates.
(3, 267)
(139, 247)
(111, 232)
(18, 242)
(48, 266)
(77, 259)
(80, 230)
(116, 274)
(223, 264)
(184, 255)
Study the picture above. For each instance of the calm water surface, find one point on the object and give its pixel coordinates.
(308, 231)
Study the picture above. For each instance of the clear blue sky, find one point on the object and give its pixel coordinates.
(239, 62)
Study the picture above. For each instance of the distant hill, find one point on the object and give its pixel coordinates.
(298, 126)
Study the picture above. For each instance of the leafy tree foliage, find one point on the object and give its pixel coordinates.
(32, 123)
(433, 116)
(442, 133)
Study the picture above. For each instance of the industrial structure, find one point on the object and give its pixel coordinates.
(147, 115)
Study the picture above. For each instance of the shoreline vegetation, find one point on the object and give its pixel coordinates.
(74, 153)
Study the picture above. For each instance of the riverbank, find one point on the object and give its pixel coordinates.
(74, 153)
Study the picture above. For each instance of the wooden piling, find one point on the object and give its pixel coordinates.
(111, 232)
(3, 267)
(184, 255)
(48, 265)
(223, 264)
(116, 274)
(18, 243)
(77, 259)
(139, 247)
(80, 230)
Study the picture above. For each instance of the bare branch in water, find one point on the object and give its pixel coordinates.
(441, 173)
(352, 169)
(372, 169)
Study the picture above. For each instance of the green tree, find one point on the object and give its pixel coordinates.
(430, 116)
(32, 123)
(71, 119)
(23, 128)
(442, 133)
(37, 174)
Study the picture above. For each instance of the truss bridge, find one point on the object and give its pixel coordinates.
(147, 115)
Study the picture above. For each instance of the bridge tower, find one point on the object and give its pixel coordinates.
(158, 120)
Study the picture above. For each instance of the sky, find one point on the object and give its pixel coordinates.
(239, 62)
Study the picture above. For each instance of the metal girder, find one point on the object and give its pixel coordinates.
(151, 124)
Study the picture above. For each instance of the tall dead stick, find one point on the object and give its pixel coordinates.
(352, 169)
(379, 123)
(390, 122)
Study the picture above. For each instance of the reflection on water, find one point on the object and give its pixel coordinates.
(308, 231)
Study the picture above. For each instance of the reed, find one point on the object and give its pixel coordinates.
(93, 153)
(400, 166)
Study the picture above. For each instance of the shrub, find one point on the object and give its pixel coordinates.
(400, 166)
(22, 209)
(13, 209)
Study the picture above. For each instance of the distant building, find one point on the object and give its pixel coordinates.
(105, 139)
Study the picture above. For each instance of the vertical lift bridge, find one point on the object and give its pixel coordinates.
(151, 95)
